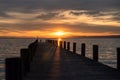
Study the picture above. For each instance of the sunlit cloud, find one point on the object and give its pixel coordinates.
(34, 34)
(64, 17)
(45, 17)
(20, 15)
(68, 17)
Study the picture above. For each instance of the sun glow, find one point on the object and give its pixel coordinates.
(60, 33)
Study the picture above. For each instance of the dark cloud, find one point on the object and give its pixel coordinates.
(59, 4)
(88, 12)
(2, 14)
(47, 16)
(93, 6)
(117, 16)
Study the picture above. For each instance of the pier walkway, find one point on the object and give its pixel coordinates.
(54, 63)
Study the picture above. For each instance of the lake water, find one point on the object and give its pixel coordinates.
(10, 48)
(107, 49)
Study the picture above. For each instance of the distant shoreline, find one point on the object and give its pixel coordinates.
(111, 36)
(96, 37)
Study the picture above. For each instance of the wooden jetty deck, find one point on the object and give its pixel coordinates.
(54, 63)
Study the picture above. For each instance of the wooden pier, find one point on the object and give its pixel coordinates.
(50, 62)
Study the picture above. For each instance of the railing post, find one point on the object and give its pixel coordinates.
(95, 52)
(118, 58)
(26, 57)
(56, 42)
(83, 47)
(64, 44)
(13, 69)
(52, 42)
(68, 46)
(74, 47)
(61, 44)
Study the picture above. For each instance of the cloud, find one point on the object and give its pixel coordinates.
(86, 28)
(49, 20)
(28, 5)
(47, 15)
(91, 7)
(86, 16)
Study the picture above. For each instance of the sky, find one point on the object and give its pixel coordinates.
(43, 18)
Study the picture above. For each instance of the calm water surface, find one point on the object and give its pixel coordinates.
(10, 48)
(107, 49)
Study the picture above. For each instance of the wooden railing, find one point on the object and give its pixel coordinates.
(66, 45)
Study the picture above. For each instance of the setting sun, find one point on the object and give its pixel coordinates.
(60, 33)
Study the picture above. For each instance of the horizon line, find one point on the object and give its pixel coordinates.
(102, 36)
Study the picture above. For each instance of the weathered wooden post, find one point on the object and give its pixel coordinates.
(52, 42)
(118, 58)
(74, 47)
(64, 44)
(13, 69)
(83, 47)
(56, 42)
(68, 46)
(61, 44)
(95, 52)
(26, 58)
(31, 48)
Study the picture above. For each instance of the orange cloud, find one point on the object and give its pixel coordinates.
(45, 24)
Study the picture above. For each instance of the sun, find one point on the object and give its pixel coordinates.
(59, 33)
